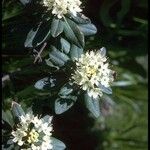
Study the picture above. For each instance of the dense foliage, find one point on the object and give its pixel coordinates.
(39, 50)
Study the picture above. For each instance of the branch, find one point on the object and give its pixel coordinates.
(38, 56)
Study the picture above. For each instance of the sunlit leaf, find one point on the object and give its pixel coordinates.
(17, 110)
(45, 82)
(58, 57)
(57, 144)
(56, 27)
(80, 18)
(65, 45)
(88, 29)
(25, 2)
(62, 104)
(75, 52)
(92, 105)
(73, 33)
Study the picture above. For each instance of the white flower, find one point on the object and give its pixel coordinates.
(92, 70)
(46, 146)
(18, 135)
(37, 122)
(33, 131)
(35, 147)
(46, 129)
(61, 7)
(94, 92)
(27, 118)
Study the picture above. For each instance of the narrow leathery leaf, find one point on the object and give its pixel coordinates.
(123, 83)
(26, 93)
(30, 37)
(44, 82)
(80, 18)
(73, 33)
(56, 27)
(47, 119)
(107, 90)
(92, 105)
(49, 63)
(65, 45)
(7, 116)
(59, 54)
(56, 60)
(75, 52)
(25, 2)
(103, 51)
(43, 33)
(57, 144)
(65, 91)
(88, 29)
(40, 84)
(17, 110)
(74, 98)
(62, 105)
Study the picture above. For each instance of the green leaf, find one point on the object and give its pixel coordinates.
(103, 51)
(73, 33)
(47, 119)
(58, 57)
(59, 54)
(65, 91)
(57, 144)
(7, 116)
(75, 52)
(26, 93)
(66, 100)
(65, 45)
(80, 18)
(62, 105)
(92, 105)
(17, 110)
(25, 2)
(49, 63)
(56, 27)
(104, 89)
(123, 83)
(56, 60)
(45, 82)
(88, 29)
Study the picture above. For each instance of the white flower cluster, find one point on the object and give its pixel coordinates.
(92, 72)
(61, 7)
(33, 133)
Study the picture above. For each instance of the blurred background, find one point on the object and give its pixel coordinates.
(123, 29)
